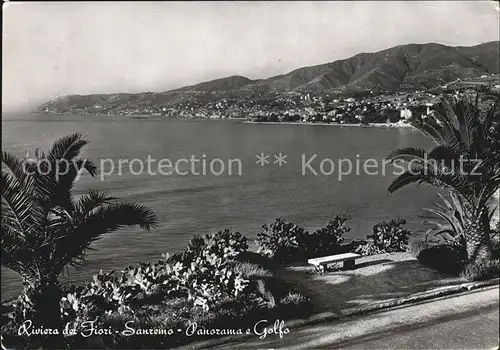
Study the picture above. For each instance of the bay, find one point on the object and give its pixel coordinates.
(195, 204)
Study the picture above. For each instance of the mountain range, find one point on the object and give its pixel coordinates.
(416, 66)
(412, 66)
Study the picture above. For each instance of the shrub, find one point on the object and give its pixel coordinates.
(294, 298)
(482, 270)
(265, 294)
(390, 236)
(203, 274)
(257, 259)
(194, 247)
(282, 241)
(223, 244)
(366, 248)
(205, 271)
(295, 304)
(446, 258)
(251, 271)
(206, 281)
(106, 294)
(329, 239)
(416, 246)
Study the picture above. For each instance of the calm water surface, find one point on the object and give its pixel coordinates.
(189, 205)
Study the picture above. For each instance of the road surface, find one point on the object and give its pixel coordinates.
(466, 321)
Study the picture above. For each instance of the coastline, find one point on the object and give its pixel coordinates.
(372, 125)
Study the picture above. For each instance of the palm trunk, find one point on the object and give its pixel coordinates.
(46, 303)
(42, 301)
(478, 241)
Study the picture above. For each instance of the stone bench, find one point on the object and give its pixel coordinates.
(349, 260)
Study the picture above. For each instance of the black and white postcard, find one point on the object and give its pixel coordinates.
(250, 175)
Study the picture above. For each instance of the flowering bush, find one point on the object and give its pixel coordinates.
(282, 241)
(390, 236)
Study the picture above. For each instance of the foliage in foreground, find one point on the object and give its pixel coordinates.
(209, 283)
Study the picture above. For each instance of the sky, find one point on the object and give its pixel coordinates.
(52, 49)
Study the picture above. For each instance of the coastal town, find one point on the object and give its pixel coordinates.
(364, 107)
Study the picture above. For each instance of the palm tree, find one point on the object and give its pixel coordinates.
(465, 162)
(44, 228)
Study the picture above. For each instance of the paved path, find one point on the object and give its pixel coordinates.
(376, 278)
(467, 321)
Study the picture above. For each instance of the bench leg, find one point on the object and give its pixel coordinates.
(349, 264)
(319, 269)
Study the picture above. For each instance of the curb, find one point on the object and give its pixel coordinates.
(355, 311)
(422, 296)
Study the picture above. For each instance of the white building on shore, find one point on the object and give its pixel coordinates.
(405, 114)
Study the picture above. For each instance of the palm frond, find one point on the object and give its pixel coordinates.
(101, 220)
(14, 166)
(453, 215)
(404, 180)
(19, 211)
(67, 147)
(91, 200)
(448, 132)
(432, 132)
(444, 153)
(123, 214)
(461, 134)
(407, 154)
(43, 229)
(62, 193)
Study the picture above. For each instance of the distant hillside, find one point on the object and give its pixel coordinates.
(231, 83)
(413, 66)
(408, 66)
